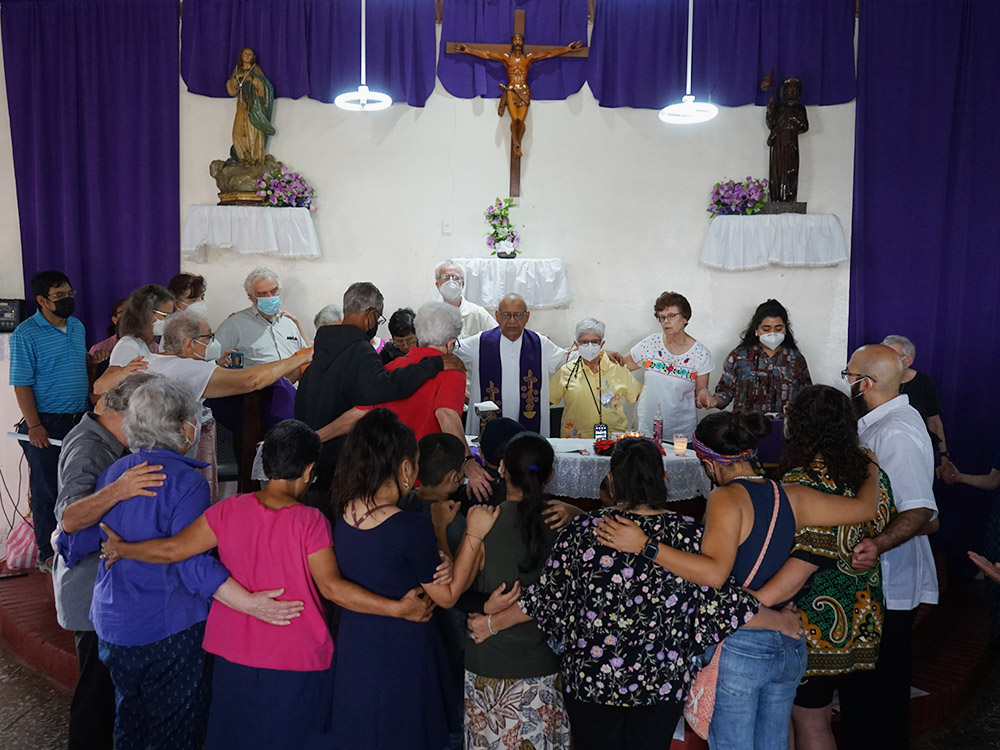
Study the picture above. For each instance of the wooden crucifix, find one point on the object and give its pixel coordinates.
(515, 96)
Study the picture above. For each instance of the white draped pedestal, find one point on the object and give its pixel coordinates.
(740, 243)
(541, 281)
(287, 232)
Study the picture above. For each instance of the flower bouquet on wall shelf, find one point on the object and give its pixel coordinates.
(501, 238)
(280, 187)
(738, 198)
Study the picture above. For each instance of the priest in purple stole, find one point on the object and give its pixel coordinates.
(511, 366)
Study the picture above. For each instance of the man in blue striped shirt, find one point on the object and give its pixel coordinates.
(48, 369)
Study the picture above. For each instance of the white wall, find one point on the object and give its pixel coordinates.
(618, 195)
(11, 286)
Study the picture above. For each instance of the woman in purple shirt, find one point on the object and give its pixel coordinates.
(150, 619)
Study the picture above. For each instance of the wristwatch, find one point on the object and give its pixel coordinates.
(651, 550)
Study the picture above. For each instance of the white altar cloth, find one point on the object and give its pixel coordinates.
(541, 281)
(282, 231)
(739, 243)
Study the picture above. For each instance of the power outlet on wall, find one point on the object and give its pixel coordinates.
(447, 225)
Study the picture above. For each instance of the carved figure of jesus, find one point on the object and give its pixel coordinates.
(516, 96)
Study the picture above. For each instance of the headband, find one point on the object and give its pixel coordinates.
(703, 451)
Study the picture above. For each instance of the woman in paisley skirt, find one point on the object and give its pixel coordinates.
(511, 680)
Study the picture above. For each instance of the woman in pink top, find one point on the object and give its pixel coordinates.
(272, 687)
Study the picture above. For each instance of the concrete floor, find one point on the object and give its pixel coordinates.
(34, 712)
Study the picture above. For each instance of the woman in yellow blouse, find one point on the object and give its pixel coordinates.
(594, 388)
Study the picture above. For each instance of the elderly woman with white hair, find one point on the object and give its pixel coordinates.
(150, 619)
(593, 387)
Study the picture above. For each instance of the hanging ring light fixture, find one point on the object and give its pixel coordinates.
(364, 99)
(687, 111)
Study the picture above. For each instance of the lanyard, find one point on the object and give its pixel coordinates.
(597, 398)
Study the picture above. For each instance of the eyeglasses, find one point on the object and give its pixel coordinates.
(669, 317)
(451, 277)
(161, 313)
(509, 315)
(847, 374)
(210, 336)
(61, 295)
(381, 317)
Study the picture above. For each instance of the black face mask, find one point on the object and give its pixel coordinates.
(370, 333)
(858, 401)
(64, 307)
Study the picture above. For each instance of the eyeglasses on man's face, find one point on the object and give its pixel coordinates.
(61, 295)
(847, 375)
(514, 315)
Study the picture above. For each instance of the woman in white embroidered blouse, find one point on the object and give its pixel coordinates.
(676, 370)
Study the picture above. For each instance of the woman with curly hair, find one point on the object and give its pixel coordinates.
(841, 608)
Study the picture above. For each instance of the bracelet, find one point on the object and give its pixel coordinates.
(473, 536)
(33, 426)
(470, 457)
(489, 625)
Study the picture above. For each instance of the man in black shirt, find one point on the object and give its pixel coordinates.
(919, 388)
(346, 372)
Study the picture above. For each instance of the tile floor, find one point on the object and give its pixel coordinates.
(33, 711)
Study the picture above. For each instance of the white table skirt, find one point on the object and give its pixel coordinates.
(739, 243)
(579, 476)
(282, 231)
(541, 281)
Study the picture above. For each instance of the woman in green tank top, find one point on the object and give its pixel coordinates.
(511, 682)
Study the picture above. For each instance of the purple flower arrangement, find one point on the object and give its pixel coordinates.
(281, 187)
(743, 198)
(501, 237)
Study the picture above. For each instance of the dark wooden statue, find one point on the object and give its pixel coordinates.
(785, 119)
(516, 96)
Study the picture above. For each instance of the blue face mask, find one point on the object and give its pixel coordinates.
(269, 305)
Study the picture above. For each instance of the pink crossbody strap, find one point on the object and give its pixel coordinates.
(767, 539)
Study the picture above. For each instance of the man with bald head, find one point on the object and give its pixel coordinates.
(511, 366)
(894, 430)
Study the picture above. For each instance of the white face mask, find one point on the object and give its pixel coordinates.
(193, 444)
(158, 327)
(450, 290)
(213, 351)
(199, 308)
(771, 340)
(589, 352)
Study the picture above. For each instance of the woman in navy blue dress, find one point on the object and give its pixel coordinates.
(391, 685)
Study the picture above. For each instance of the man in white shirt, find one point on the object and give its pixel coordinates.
(263, 332)
(449, 278)
(511, 366)
(894, 430)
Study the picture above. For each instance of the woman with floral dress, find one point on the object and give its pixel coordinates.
(631, 631)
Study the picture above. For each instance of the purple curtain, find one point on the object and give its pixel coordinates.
(736, 42)
(311, 47)
(93, 95)
(492, 22)
(926, 229)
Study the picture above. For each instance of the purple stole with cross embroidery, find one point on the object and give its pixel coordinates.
(529, 372)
